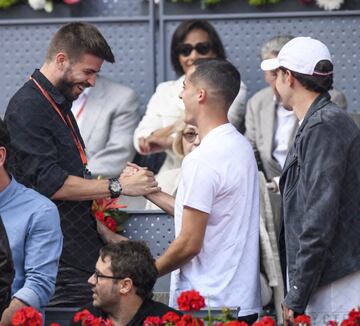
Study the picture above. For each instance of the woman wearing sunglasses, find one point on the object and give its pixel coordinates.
(185, 141)
(192, 39)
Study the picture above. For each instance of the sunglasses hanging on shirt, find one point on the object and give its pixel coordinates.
(202, 48)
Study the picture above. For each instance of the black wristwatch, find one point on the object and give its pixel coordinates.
(114, 188)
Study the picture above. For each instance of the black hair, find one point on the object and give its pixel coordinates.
(221, 75)
(77, 39)
(4, 138)
(133, 259)
(321, 82)
(183, 30)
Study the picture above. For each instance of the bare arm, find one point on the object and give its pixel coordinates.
(165, 201)
(187, 244)
(75, 188)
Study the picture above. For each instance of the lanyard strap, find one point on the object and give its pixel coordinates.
(67, 122)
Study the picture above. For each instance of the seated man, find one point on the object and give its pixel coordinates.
(122, 284)
(107, 116)
(6, 269)
(32, 224)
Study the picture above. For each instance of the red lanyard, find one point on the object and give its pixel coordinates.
(67, 122)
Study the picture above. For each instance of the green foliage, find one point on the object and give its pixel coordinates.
(7, 3)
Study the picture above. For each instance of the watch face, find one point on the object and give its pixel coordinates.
(115, 186)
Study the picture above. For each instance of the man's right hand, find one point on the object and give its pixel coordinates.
(140, 183)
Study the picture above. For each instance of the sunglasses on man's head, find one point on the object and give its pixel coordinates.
(202, 48)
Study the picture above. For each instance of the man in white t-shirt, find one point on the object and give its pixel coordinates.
(216, 250)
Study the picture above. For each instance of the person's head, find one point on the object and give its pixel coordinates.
(304, 60)
(210, 83)
(4, 145)
(78, 50)
(194, 39)
(270, 50)
(130, 270)
(186, 140)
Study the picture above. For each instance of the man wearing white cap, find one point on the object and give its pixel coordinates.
(320, 187)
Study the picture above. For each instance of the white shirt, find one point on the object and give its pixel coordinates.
(79, 105)
(220, 178)
(285, 121)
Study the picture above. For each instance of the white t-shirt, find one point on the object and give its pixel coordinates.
(220, 177)
(285, 122)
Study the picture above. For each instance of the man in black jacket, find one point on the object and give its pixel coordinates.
(6, 269)
(320, 187)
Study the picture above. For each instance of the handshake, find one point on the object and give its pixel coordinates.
(138, 181)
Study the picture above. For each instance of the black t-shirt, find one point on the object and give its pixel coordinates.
(148, 308)
(43, 155)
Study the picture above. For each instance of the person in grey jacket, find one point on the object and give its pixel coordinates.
(320, 187)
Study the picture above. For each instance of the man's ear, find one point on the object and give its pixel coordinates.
(2, 156)
(61, 60)
(201, 95)
(126, 285)
(289, 78)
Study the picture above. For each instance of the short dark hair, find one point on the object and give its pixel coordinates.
(4, 137)
(183, 30)
(220, 75)
(77, 39)
(317, 83)
(133, 259)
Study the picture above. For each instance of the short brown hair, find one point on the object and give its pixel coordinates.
(77, 39)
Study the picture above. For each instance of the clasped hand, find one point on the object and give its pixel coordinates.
(138, 181)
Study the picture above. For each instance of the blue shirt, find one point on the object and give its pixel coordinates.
(32, 224)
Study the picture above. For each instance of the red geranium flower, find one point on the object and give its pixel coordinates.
(190, 300)
(302, 320)
(110, 223)
(170, 317)
(152, 321)
(331, 323)
(354, 315)
(54, 324)
(27, 316)
(188, 320)
(71, 2)
(100, 216)
(79, 316)
(265, 321)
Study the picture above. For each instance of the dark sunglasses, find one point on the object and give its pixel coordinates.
(185, 49)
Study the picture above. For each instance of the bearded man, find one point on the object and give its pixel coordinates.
(49, 154)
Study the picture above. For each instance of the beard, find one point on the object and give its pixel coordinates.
(67, 86)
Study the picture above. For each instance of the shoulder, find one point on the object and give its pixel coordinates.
(35, 201)
(263, 95)
(113, 87)
(170, 85)
(160, 308)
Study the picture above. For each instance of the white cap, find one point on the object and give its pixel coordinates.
(301, 54)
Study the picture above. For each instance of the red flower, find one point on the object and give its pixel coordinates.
(100, 216)
(302, 320)
(188, 320)
(234, 323)
(27, 316)
(81, 315)
(152, 321)
(265, 321)
(354, 315)
(54, 324)
(331, 323)
(170, 317)
(190, 300)
(111, 223)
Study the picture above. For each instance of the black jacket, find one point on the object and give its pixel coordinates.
(320, 188)
(6, 269)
